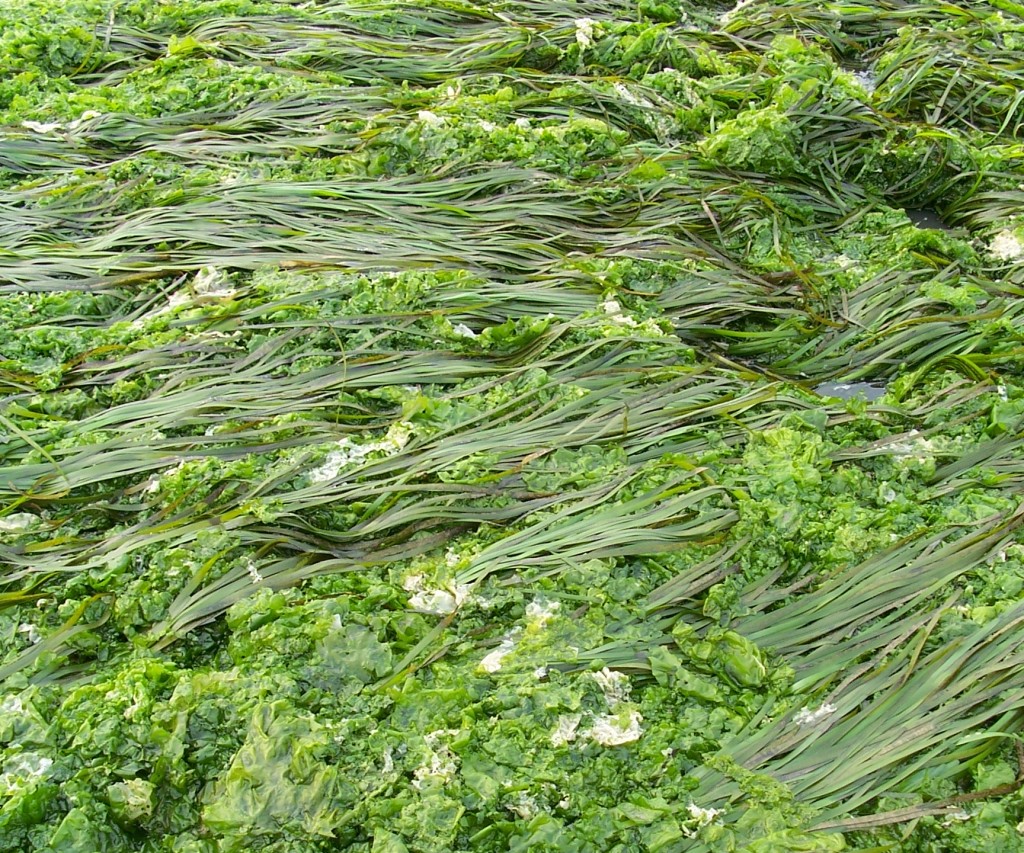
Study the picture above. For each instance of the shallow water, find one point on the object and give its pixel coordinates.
(848, 390)
(866, 79)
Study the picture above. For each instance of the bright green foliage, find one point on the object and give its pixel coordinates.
(762, 140)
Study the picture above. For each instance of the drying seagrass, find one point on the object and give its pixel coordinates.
(528, 426)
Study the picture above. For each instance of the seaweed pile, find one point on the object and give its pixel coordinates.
(573, 426)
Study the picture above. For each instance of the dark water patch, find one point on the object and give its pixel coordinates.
(926, 217)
